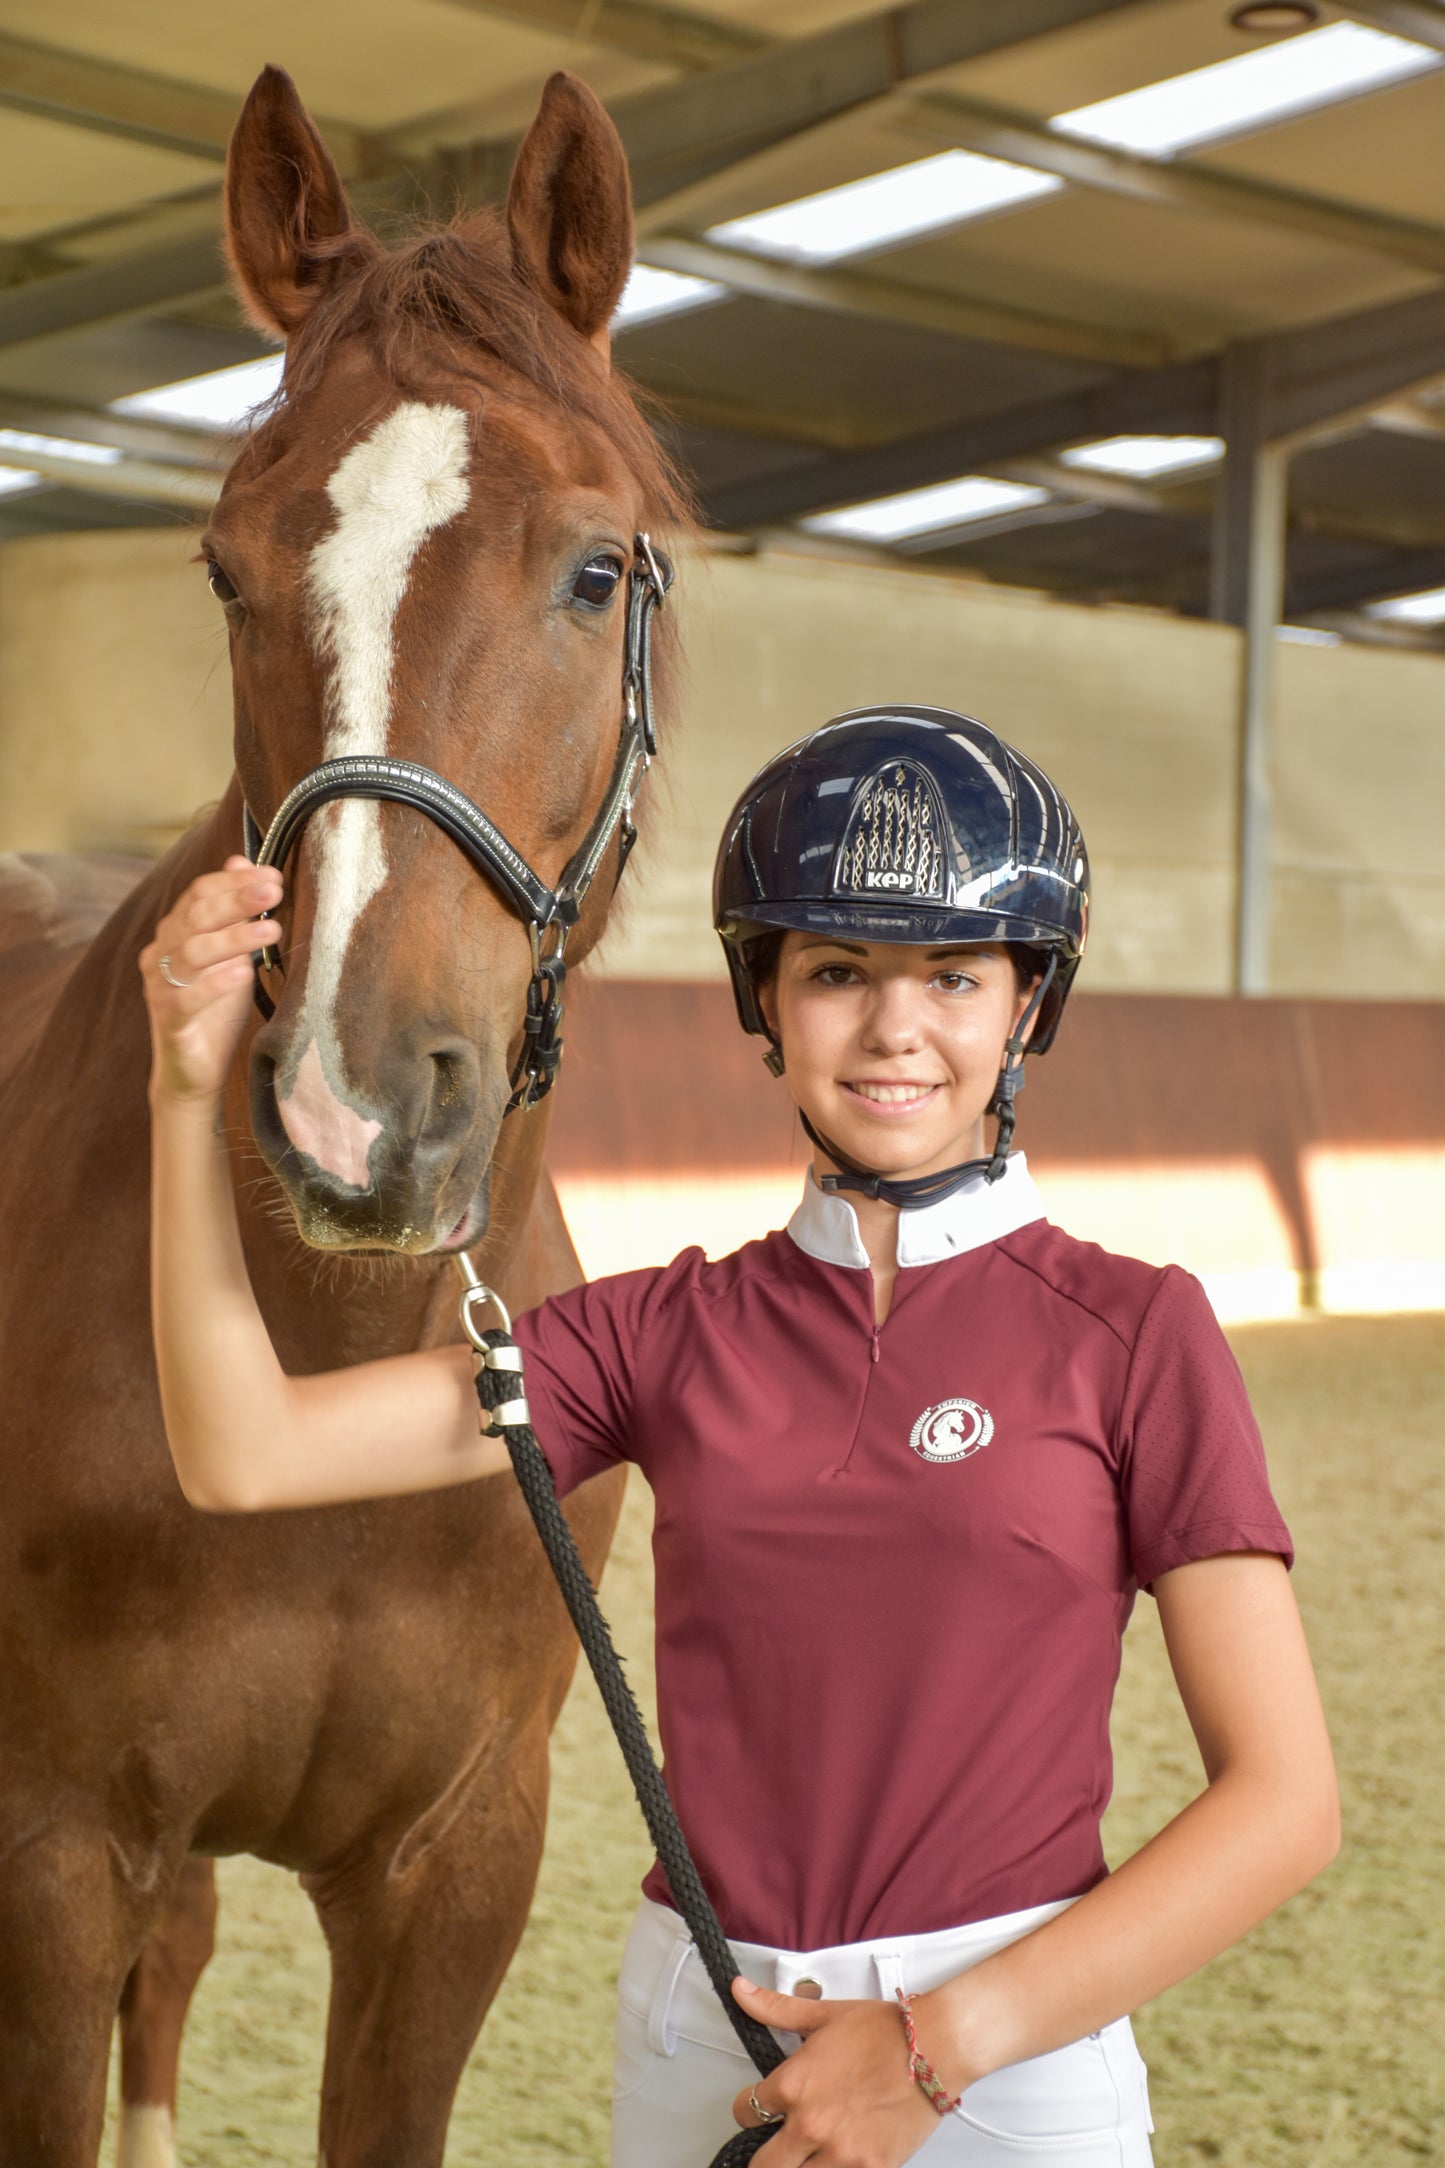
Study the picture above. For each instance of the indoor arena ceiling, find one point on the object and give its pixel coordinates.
(1074, 266)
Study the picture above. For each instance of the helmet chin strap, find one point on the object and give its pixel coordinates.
(909, 1192)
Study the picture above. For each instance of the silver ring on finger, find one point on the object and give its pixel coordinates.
(764, 2115)
(170, 978)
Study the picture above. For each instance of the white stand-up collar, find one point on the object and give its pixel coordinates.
(826, 1226)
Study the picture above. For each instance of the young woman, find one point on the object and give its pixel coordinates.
(912, 1458)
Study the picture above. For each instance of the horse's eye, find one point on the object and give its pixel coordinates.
(218, 583)
(598, 581)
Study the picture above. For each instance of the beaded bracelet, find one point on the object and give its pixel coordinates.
(920, 2069)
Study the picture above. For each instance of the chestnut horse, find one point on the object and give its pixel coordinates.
(422, 551)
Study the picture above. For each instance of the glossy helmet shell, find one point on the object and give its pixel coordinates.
(904, 824)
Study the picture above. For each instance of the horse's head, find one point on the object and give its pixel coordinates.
(424, 553)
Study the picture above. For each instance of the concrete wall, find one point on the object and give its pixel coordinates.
(115, 692)
(115, 721)
(1246, 1139)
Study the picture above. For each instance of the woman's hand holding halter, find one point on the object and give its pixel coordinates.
(197, 976)
(847, 2097)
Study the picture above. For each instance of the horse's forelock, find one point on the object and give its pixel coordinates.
(449, 303)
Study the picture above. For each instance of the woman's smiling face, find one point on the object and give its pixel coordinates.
(892, 1050)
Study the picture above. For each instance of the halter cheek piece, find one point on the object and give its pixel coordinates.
(543, 911)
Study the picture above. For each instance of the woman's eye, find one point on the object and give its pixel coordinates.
(218, 583)
(953, 982)
(835, 975)
(598, 581)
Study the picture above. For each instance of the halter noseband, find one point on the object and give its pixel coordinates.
(541, 909)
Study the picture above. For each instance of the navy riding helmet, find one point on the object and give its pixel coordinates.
(907, 824)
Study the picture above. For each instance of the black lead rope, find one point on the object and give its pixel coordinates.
(500, 1393)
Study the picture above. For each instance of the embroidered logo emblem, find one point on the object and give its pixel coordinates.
(893, 838)
(951, 1431)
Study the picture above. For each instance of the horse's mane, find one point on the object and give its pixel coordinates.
(452, 293)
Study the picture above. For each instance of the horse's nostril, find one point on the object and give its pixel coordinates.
(450, 1092)
(448, 1083)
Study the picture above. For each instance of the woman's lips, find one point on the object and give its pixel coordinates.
(892, 1102)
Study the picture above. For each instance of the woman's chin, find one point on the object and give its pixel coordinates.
(896, 1148)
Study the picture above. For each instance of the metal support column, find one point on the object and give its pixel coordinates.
(1247, 589)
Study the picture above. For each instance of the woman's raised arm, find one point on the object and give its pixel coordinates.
(244, 1436)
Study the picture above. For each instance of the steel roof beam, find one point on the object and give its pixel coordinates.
(685, 132)
(675, 37)
(125, 432)
(101, 293)
(1422, 21)
(1314, 373)
(861, 293)
(146, 481)
(193, 121)
(677, 134)
(1175, 401)
(1347, 364)
(1000, 132)
(1343, 585)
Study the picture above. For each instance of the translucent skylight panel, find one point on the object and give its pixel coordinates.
(925, 511)
(1425, 608)
(220, 400)
(651, 293)
(75, 449)
(1249, 90)
(1145, 457)
(886, 207)
(13, 479)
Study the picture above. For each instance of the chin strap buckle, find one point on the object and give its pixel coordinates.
(1011, 1079)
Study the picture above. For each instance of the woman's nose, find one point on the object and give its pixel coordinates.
(894, 1020)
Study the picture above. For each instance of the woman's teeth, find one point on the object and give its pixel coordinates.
(889, 1095)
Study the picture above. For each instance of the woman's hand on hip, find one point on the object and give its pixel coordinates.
(847, 2094)
(206, 940)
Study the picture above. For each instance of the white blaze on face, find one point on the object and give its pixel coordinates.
(391, 491)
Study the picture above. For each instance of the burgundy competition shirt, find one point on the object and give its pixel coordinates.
(894, 1564)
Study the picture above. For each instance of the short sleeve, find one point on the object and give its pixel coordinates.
(581, 1351)
(1191, 1461)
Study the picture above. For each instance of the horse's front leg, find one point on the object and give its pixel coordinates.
(153, 2007)
(420, 1935)
(76, 1903)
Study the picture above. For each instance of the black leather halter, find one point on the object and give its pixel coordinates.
(543, 911)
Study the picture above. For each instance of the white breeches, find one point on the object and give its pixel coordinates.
(680, 2065)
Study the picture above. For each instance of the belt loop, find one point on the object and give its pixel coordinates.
(659, 2039)
(888, 1964)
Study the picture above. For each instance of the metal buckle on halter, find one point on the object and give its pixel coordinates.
(660, 581)
(476, 1295)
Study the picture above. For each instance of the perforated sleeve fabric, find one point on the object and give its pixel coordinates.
(1191, 1461)
(582, 1351)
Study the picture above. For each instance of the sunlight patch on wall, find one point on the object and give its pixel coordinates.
(1379, 1214)
(621, 1223)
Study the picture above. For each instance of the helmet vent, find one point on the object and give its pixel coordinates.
(892, 842)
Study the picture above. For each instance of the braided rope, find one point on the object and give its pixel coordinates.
(535, 1478)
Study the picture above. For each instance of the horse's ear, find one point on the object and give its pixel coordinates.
(289, 227)
(569, 208)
